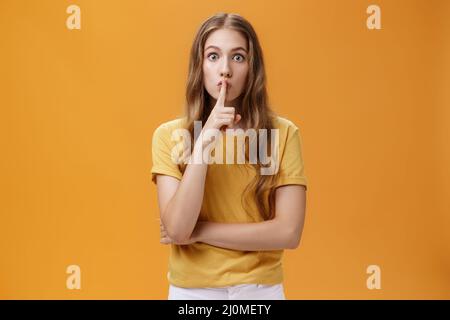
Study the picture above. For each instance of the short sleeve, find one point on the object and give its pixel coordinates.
(161, 155)
(292, 170)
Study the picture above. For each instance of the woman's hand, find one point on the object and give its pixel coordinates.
(165, 239)
(222, 117)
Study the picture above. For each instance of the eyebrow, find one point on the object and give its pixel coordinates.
(234, 49)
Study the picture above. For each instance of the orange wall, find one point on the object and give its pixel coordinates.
(79, 107)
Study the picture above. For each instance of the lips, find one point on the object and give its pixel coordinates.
(220, 83)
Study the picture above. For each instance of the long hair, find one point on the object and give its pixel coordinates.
(255, 110)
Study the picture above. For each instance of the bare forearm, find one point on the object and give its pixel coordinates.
(266, 235)
(181, 214)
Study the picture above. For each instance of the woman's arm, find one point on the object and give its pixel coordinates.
(180, 201)
(257, 236)
(282, 232)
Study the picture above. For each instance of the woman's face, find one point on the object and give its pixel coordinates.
(225, 57)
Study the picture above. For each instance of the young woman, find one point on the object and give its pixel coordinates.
(228, 223)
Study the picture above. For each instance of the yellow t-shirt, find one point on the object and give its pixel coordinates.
(203, 265)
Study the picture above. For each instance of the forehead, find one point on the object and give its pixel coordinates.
(226, 39)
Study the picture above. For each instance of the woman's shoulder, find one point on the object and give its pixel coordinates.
(173, 124)
(284, 123)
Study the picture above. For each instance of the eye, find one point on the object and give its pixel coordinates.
(242, 58)
(210, 55)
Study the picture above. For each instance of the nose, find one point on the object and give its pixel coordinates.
(225, 71)
(225, 74)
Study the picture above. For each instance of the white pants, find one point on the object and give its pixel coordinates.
(236, 292)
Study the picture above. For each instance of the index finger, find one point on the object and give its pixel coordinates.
(222, 93)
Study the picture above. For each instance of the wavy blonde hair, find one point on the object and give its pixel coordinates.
(254, 110)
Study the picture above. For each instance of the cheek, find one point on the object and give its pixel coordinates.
(207, 71)
(243, 72)
(208, 79)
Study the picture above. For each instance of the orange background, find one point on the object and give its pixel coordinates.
(78, 109)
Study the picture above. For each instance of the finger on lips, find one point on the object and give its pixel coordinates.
(222, 93)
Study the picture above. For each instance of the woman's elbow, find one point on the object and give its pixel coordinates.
(179, 236)
(176, 232)
(293, 240)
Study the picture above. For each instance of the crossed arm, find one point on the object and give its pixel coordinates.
(282, 232)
